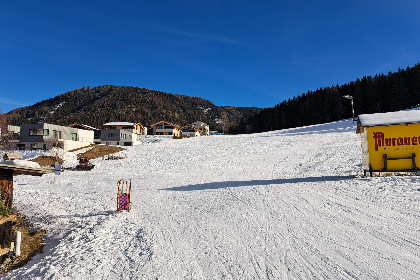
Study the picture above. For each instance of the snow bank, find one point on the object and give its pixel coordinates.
(29, 154)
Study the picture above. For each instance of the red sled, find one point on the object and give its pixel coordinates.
(123, 195)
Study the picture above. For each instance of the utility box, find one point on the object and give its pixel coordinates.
(57, 168)
(390, 141)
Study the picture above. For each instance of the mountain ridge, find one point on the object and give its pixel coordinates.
(95, 106)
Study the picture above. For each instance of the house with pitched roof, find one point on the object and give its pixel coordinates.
(165, 128)
(190, 131)
(203, 127)
(122, 133)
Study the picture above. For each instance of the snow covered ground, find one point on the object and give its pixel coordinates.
(288, 204)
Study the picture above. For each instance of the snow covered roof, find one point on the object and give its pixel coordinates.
(83, 126)
(400, 117)
(89, 127)
(22, 167)
(120, 123)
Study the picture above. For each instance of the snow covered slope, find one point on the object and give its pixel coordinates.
(287, 204)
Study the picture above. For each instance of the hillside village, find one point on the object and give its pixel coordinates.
(45, 136)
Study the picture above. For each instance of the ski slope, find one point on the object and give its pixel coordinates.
(288, 204)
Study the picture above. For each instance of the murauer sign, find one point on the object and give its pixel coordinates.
(381, 141)
(395, 135)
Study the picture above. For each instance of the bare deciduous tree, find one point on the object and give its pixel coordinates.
(5, 135)
(225, 122)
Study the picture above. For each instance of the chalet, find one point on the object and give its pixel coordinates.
(122, 133)
(203, 127)
(45, 136)
(390, 141)
(190, 131)
(165, 128)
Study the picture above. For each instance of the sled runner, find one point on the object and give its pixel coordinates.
(123, 195)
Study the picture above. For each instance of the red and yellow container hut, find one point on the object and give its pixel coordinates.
(390, 141)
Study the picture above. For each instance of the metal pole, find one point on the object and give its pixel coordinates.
(352, 107)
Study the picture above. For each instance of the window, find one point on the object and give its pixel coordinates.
(73, 136)
(112, 134)
(39, 132)
(97, 134)
(57, 134)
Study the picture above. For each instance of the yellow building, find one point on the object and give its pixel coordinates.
(390, 141)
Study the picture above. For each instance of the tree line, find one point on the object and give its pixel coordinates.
(381, 93)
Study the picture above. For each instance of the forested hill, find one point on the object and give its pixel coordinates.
(381, 93)
(98, 105)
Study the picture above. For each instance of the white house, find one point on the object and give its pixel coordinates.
(96, 131)
(45, 136)
(122, 133)
(203, 127)
(190, 131)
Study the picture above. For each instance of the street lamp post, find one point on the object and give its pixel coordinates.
(351, 98)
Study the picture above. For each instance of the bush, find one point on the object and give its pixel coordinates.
(4, 211)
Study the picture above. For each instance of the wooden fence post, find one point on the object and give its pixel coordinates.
(6, 234)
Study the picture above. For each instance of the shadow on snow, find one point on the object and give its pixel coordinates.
(234, 184)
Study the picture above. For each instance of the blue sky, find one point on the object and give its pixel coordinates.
(237, 53)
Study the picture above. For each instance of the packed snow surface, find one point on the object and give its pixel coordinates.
(288, 204)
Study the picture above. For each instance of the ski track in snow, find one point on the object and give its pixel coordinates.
(288, 204)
